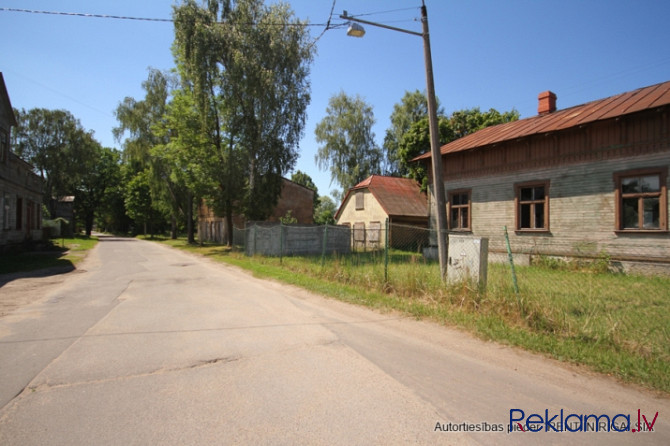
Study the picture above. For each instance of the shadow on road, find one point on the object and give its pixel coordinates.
(114, 238)
(62, 266)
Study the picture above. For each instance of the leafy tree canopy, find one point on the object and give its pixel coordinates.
(416, 140)
(57, 146)
(325, 211)
(413, 107)
(248, 78)
(348, 147)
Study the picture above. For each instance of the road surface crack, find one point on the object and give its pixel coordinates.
(45, 387)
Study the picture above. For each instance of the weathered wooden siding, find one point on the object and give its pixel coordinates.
(579, 164)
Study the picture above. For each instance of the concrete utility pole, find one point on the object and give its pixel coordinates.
(436, 157)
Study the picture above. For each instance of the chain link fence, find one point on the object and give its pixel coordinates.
(529, 267)
(608, 295)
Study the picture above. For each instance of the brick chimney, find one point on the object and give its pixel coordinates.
(546, 103)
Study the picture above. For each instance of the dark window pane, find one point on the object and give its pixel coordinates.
(538, 193)
(652, 213)
(464, 198)
(651, 183)
(630, 185)
(455, 199)
(539, 216)
(526, 194)
(525, 216)
(630, 213)
(464, 218)
(454, 218)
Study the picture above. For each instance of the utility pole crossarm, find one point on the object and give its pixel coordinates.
(344, 16)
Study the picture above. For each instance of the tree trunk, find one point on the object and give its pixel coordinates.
(88, 224)
(173, 229)
(189, 218)
(229, 225)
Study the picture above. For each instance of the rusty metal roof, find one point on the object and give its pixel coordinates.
(623, 104)
(397, 196)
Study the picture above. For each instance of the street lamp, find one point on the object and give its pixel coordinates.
(356, 30)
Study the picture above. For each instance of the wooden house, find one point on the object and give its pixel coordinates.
(585, 181)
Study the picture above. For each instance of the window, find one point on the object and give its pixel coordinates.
(360, 201)
(641, 200)
(4, 145)
(359, 232)
(19, 212)
(459, 210)
(5, 212)
(532, 206)
(374, 231)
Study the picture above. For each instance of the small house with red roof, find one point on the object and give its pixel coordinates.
(585, 181)
(368, 205)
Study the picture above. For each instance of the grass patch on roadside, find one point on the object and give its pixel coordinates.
(615, 324)
(65, 252)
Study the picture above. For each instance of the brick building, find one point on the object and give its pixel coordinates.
(294, 197)
(20, 187)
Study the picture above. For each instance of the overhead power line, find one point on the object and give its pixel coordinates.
(80, 14)
(118, 17)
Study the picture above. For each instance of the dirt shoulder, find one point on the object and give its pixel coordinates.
(24, 288)
(21, 289)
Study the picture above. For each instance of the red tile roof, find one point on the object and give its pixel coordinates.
(399, 197)
(626, 103)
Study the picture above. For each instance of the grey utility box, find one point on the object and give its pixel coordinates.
(468, 260)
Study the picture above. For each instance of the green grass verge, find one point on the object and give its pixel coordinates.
(65, 253)
(615, 324)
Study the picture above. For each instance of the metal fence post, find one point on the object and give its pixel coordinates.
(511, 264)
(324, 244)
(281, 243)
(255, 237)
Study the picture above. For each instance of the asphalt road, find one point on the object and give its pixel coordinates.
(154, 346)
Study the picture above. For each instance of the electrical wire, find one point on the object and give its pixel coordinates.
(79, 14)
(385, 12)
(117, 17)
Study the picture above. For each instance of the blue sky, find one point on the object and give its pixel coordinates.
(486, 53)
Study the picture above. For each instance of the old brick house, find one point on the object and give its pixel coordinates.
(294, 197)
(20, 188)
(582, 181)
(367, 205)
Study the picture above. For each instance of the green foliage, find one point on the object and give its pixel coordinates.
(348, 149)
(148, 143)
(248, 82)
(98, 186)
(412, 108)
(324, 213)
(139, 205)
(416, 140)
(288, 219)
(464, 122)
(58, 147)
